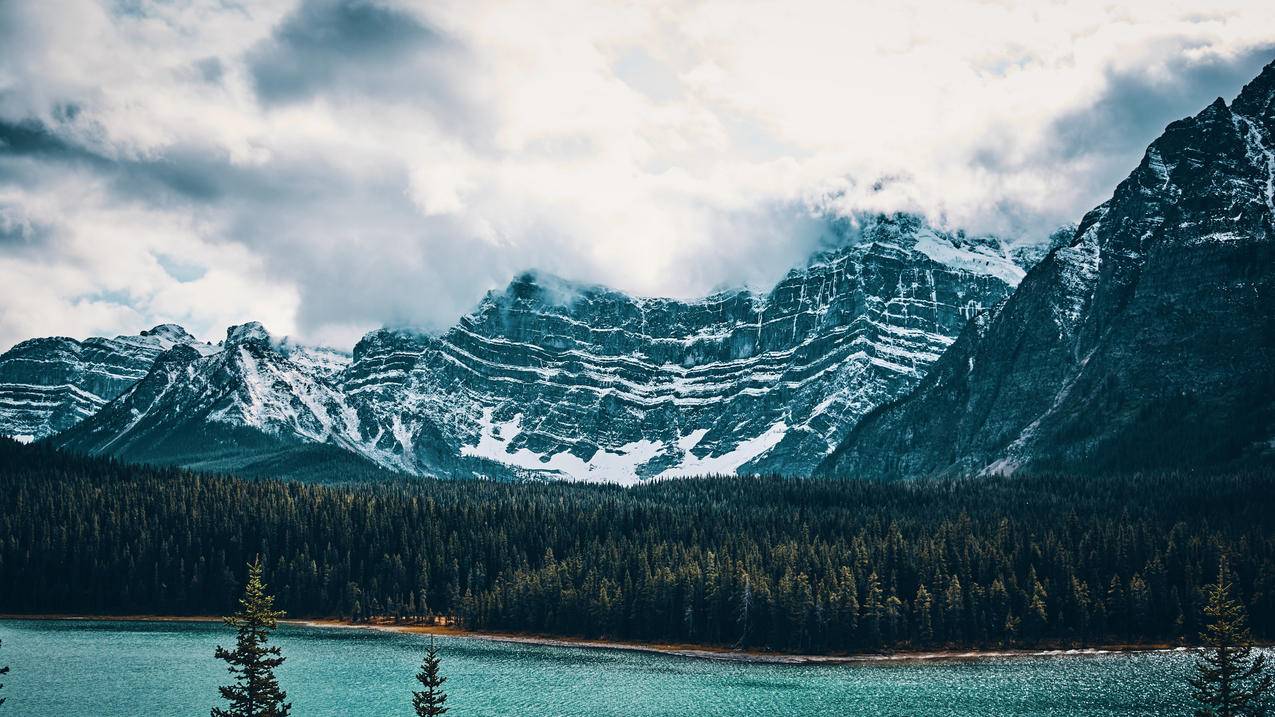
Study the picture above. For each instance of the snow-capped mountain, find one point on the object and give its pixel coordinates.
(553, 378)
(592, 384)
(1148, 341)
(251, 400)
(48, 385)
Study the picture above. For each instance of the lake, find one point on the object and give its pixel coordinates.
(125, 669)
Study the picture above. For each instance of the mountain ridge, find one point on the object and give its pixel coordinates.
(49, 384)
(562, 379)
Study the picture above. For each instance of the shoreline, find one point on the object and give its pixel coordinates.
(699, 652)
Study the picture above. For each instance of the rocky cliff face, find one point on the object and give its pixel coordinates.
(249, 405)
(563, 380)
(1147, 341)
(590, 384)
(48, 385)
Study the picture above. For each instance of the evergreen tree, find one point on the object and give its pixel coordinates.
(3, 671)
(873, 610)
(256, 692)
(429, 702)
(745, 610)
(1037, 609)
(1229, 680)
(922, 611)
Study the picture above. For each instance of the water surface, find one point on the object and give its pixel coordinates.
(125, 669)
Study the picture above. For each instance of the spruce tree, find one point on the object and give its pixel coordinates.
(745, 610)
(256, 692)
(429, 702)
(1230, 681)
(923, 614)
(3, 671)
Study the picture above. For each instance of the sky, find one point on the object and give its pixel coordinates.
(328, 167)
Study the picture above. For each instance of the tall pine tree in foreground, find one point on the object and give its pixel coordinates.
(255, 692)
(429, 702)
(1230, 681)
(3, 671)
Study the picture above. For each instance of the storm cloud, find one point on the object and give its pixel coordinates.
(347, 46)
(1138, 103)
(330, 166)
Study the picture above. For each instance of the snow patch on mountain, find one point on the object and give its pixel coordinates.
(620, 466)
(323, 362)
(728, 463)
(988, 259)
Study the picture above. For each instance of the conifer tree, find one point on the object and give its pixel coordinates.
(256, 691)
(873, 609)
(745, 609)
(1229, 680)
(1037, 608)
(922, 611)
(3, 671)
(429, 702)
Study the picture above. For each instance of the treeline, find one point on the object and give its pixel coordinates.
(798, 565)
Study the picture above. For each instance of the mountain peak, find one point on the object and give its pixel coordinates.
(1060, 376)
(544, 289)
(243, 333)
(170, 332)
(1257, 99)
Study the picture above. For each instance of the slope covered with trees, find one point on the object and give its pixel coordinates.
(799, 565)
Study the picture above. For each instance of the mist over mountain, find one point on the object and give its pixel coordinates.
(1140, 338)
(329, 167)
(1146, 341)
(557, 379)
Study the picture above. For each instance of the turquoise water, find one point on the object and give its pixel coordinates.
(118, 669)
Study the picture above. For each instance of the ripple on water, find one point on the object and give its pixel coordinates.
(167, 668)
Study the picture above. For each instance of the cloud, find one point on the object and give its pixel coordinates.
(340, 45)
(1137, 102)
(1108, 135)
(329, 166)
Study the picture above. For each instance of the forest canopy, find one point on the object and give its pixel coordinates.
(833, 565)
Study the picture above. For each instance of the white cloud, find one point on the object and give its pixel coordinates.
(95, 266)
(338, 164)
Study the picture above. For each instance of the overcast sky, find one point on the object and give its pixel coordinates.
(331, 166)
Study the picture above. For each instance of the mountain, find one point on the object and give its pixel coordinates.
(557, 379)
(251, 406)
(592, 384)
(1147, 341)
(48, 385)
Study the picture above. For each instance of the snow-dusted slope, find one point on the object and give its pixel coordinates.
(48, 385)
(590, 384)
(564, 380)
(252, 396)
(1146, 342)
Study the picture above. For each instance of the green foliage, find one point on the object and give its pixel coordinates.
(795, 565)
(429, 701)
(1230, 681)
(256, 691)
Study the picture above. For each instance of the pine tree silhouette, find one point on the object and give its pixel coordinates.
(429, 702)
(1229, 680)
(256, 692)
